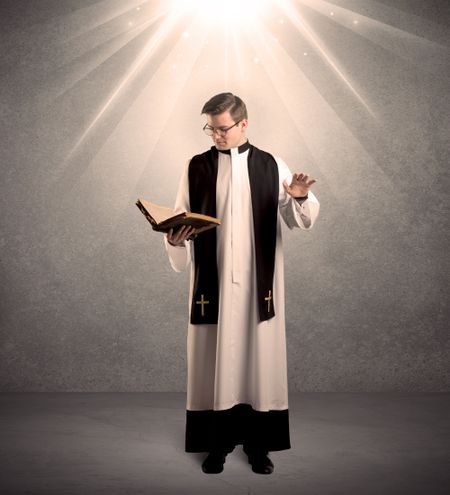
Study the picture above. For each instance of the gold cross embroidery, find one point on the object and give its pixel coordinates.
(268, 299)
(202, 302)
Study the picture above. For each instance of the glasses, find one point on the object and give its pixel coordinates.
(220, 130)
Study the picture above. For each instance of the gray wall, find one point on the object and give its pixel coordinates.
(88, 299)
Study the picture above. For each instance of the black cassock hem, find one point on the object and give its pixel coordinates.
(223, 430)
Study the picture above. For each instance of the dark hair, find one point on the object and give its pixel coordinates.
(226, 102)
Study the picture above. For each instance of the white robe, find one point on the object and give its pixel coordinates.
(240, 360)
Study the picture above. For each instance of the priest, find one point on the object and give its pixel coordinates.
(237, 390)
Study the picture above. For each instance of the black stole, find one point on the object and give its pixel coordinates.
(264, 183)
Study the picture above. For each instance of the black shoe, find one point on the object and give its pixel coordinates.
(261, 463)
(213, 464)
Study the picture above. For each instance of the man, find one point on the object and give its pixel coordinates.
(237, 377)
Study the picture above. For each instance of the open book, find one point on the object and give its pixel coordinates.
(163, 219)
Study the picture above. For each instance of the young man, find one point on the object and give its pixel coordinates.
(237, 389)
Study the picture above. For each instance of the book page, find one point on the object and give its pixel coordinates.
(159, 213)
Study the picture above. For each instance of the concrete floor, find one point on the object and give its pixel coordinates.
(132, 443)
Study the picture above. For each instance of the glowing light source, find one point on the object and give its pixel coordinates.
(200, 20)
(218, 11)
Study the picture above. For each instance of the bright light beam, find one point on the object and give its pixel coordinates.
(145, 54)
(328, 142)
(302, 26)
(223, 12)
(109, 50)
(132, 142)
(420, 50)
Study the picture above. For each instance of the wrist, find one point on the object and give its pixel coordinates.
(301, 198)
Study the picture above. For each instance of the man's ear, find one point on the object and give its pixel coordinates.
(244, 124)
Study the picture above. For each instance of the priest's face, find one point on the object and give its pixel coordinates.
(232, 138)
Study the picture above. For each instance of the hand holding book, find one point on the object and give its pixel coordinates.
(184, 233)
(181, 226)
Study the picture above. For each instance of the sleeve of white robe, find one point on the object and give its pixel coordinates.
(294, 213)
(180, 256)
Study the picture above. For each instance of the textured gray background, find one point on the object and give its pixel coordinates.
(88, 300)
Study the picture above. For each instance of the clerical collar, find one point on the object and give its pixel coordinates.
(241, 148)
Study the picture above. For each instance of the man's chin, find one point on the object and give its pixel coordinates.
(221, 146)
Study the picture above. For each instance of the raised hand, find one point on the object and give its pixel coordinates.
(300, 185)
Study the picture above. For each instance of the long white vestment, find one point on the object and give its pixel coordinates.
(240, 360)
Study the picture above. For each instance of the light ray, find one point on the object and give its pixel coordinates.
(303, 27)
(231, 48)
(328, 142)
(117, 168)
(88, 42)
(68, 76)
(237, 51)
(145, 54)
(419, 49)
(218, 12)
(58, 68)
(157, 100)
(95, 16)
